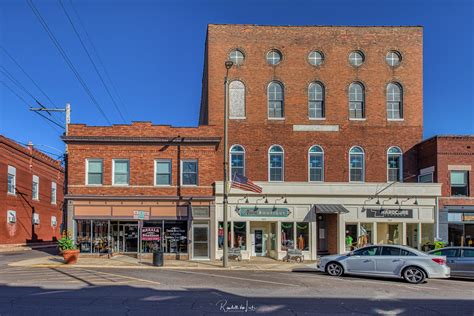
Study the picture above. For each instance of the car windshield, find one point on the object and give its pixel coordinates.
(369, 251)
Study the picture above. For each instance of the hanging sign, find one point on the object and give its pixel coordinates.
(143, 215)
(151, 233)
(263, 211)
(389, 213)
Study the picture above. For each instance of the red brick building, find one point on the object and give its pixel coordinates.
(31, 198)
(162, 175)
(320, 115)
(449, 160)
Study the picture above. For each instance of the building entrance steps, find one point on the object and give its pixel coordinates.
(124, 262)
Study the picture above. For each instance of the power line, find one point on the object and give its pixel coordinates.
(66, 58)
(92, 61)
(24, 101)
(109, 78)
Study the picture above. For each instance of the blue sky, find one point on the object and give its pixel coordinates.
(153, 51)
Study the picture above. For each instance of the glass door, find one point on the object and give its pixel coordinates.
(200, 241)
(130, 238)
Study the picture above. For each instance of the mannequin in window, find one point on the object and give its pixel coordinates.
(301, 242)
(220, 234)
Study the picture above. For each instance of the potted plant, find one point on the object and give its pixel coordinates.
(68, 248)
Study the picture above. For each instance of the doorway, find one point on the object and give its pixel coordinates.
(200, 241)
(125, 237)
(259, 242)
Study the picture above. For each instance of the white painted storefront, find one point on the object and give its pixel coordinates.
(284, 216)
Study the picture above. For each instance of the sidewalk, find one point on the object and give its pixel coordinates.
(25, 247)
(127, 262)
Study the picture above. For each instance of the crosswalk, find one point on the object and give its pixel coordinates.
(23, 276)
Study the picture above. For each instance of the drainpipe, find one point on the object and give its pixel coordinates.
(437, 218)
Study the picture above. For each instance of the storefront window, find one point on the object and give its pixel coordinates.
(273, 236)
(427, 234)
(389, 234)
(302, 233)
(151, 236)
(100, 231)
(287, 236)
(412, 235)
(175, 237)
(365, 235)
(240, 234)
(351, 236)
(83, 238)
(220, 235)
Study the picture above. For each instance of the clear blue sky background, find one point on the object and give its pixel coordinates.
(153, 51)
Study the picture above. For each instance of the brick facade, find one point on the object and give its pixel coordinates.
(257, 133)
(28, 162)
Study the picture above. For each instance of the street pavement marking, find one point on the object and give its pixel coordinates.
(122, 276)
(238, 278)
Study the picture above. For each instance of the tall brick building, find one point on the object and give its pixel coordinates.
(31, 194)
(449, 160)
(320, 117)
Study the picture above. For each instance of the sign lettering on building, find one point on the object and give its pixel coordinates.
(263, 211)
(389, 213)
(142, 215)
(151, 233)
(200, 211)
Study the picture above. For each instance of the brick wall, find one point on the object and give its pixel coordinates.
(29, 162)
(375, 134)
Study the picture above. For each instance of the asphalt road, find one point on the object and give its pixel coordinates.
(77, 291)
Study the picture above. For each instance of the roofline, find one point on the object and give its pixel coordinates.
(311, 25)
(140, 197)
(148, 140)
(446, 136)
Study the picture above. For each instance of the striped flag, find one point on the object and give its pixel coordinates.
(245, 184)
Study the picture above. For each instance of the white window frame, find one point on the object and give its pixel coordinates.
(427, 171)
(182, 172)
(400, 110)
(113, 172)
(54, 221)
(309, 163)
(363, 164)
(230, 104)
(282, 163)
(230, 159)
(36, 196)
(282, 117)
(323, 106)
(11, 171)
(155, 163)
(400, 172)
(54, 189)
(87, 171)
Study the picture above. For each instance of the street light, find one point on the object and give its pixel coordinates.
(228, 64)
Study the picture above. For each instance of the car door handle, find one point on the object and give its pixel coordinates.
(396, 260)
(368, 260)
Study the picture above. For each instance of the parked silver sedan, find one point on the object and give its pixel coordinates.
(460, 260)
(387, 261)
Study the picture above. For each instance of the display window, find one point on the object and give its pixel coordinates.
(220, 235)
(302, 233)
(351, 237)
(240, 235)
(287, 236)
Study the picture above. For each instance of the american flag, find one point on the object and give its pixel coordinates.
(245, 184)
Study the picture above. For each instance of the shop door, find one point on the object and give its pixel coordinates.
(130, 238)
(200, 241)
(259, 243)
(322, 235)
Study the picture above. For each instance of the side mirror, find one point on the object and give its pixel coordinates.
(350, 254)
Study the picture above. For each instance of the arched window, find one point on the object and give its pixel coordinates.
(394, 101)
(356, 101)
(394, 164)
(275, 163)
(236, 99)
(316, 100)
(316, 163)
(356, 164)
(237, 161)
(275, 100)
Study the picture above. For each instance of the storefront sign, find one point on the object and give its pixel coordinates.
(389, 213)
(175, 233)
(143, 215)
(263, 211)
(200, 211)
(151, 233)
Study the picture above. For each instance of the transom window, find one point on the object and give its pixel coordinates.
(94, 171)
(275, 163)
(163, 172)
(237, 161)
(316, 100)
(356, 100)
(237, 57)
(189, 172)
(275, 100)
(356, 58)
(459, 183)
(121, 174)
(273, 57)
(11, 180)
(394, 101)
(315, 58)
(316, 163)
(394, 164)
(393, 58)
(356, 164)
(236, 99)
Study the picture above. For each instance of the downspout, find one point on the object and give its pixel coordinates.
(437, 218)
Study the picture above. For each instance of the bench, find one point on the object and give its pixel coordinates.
(234, 253)
(294, 254)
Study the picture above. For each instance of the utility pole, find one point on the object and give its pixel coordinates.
(225, 259)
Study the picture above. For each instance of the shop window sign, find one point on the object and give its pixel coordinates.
(151, 234)
(389, 213)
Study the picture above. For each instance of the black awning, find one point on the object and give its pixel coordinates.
(330, 209)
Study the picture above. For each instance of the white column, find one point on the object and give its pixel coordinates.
(278, 246)
(341, 232)
(248, 238)
(404, 233)
(313, 239)
(419, 236)
(231, 234)
(374, 233)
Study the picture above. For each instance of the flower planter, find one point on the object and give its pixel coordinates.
(70, 256)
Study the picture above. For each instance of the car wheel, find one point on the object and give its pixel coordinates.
(334, 269)
(414, 275)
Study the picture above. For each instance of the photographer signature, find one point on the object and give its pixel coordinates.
(225, 307)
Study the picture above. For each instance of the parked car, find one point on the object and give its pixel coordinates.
(387, 261)
(459, 259)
